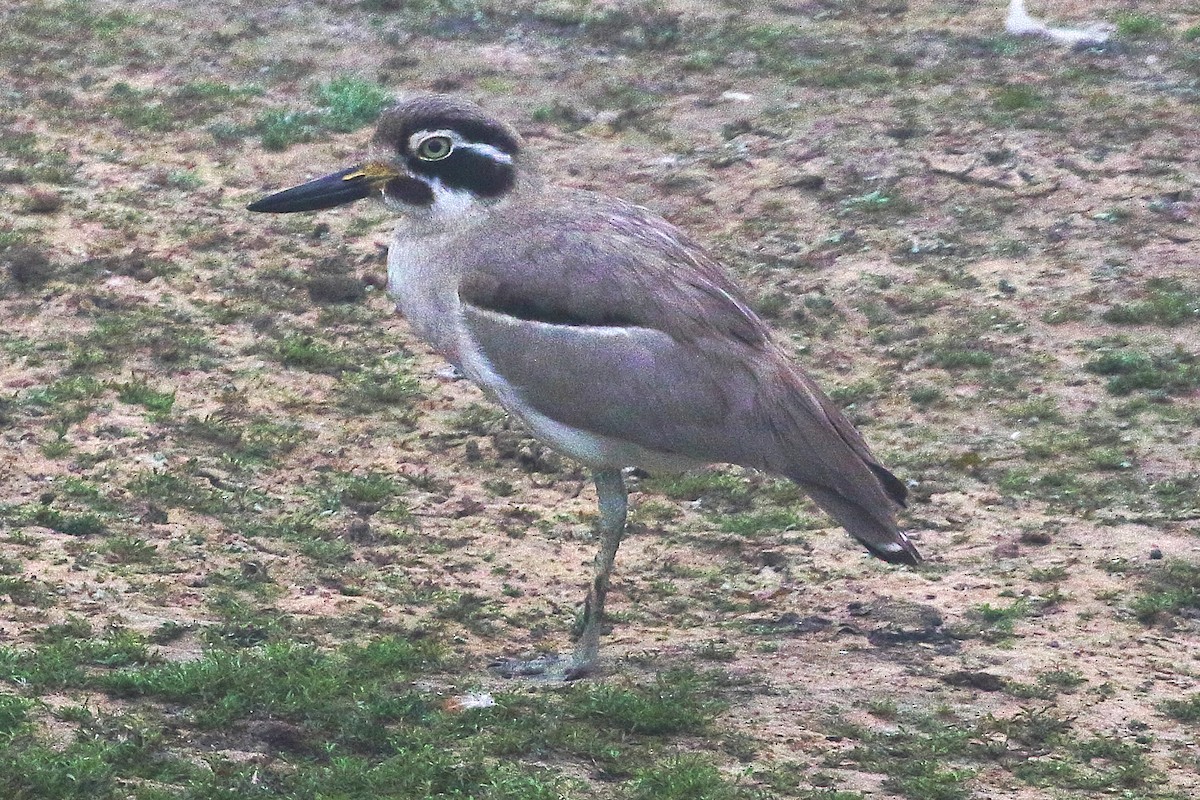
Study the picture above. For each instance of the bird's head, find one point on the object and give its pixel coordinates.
(431, 155)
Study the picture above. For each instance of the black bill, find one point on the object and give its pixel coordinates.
(333, 190)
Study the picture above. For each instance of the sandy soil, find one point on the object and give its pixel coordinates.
(880, 222)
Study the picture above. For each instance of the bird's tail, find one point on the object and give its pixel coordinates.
(875, 529)
(817, 447)
(852, 487)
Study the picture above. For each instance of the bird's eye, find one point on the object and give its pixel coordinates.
(435, 148)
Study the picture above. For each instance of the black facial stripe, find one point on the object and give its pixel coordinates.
(410, 191)
(490, 134)
(432, 113)
(469, 169)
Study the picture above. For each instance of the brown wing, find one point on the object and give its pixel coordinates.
(612, 265)
(618, 325)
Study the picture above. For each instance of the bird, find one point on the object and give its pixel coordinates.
(608, 331)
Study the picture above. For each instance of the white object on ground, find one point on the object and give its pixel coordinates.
(466, 702)
(1019, 23)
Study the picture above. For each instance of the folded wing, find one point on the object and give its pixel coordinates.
(663, 352)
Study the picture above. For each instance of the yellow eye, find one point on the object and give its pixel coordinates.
(435, 148)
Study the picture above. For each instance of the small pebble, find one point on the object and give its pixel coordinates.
(1155, 554)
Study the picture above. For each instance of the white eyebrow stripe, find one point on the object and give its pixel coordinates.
(491, 151)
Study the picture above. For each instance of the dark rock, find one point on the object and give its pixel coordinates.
(336, 288)
(983, 681)
(27, 266)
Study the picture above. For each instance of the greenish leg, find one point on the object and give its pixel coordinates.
(610, 487)
(614, 503)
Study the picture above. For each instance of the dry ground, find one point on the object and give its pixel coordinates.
(217, 437)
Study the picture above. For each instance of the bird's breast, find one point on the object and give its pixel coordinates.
(424, 289)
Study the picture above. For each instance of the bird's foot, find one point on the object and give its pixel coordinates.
(546, 667)
(543, 665)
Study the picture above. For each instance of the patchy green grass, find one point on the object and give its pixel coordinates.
(349, 720)
(675, 702)
(1047, 686)
(279, 129)
(682, 777)
(182, 491)
(390, 384)
(1129, 370)
(1186, 710)
(878, 201)
(768, 520)
(1168, 302)
(72, 32)
(22, 591)
(997, 622)
(936, 756)
(64, 390)
(723, 488)
(351, 103)
(306, 352)
(1019, 98)
(139, 392)
(1139, 25)
(244, 443)
(347, 103)
(200, 100)
(72, 524)
(219, 435)
(953, 356)
(140, 109)
(1168, 590)
(172, 338)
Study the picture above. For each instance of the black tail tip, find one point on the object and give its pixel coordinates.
(901, 551)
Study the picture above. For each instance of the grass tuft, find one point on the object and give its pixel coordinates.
(351, 103)
(1186, 710)
(1019, 98)
(1138, 25)
(682, 777)
(676, 702)
(139, 392)
(1168, 302)
(1129, 370)
(1170, 589)
(279, 129)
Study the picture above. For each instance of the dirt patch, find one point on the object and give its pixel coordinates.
(982, 246)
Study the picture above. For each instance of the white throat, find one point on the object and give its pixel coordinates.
(450, 211)
(421, 278)
(451, 207)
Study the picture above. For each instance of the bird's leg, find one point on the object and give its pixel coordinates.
(610, 487)
(614, 502)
